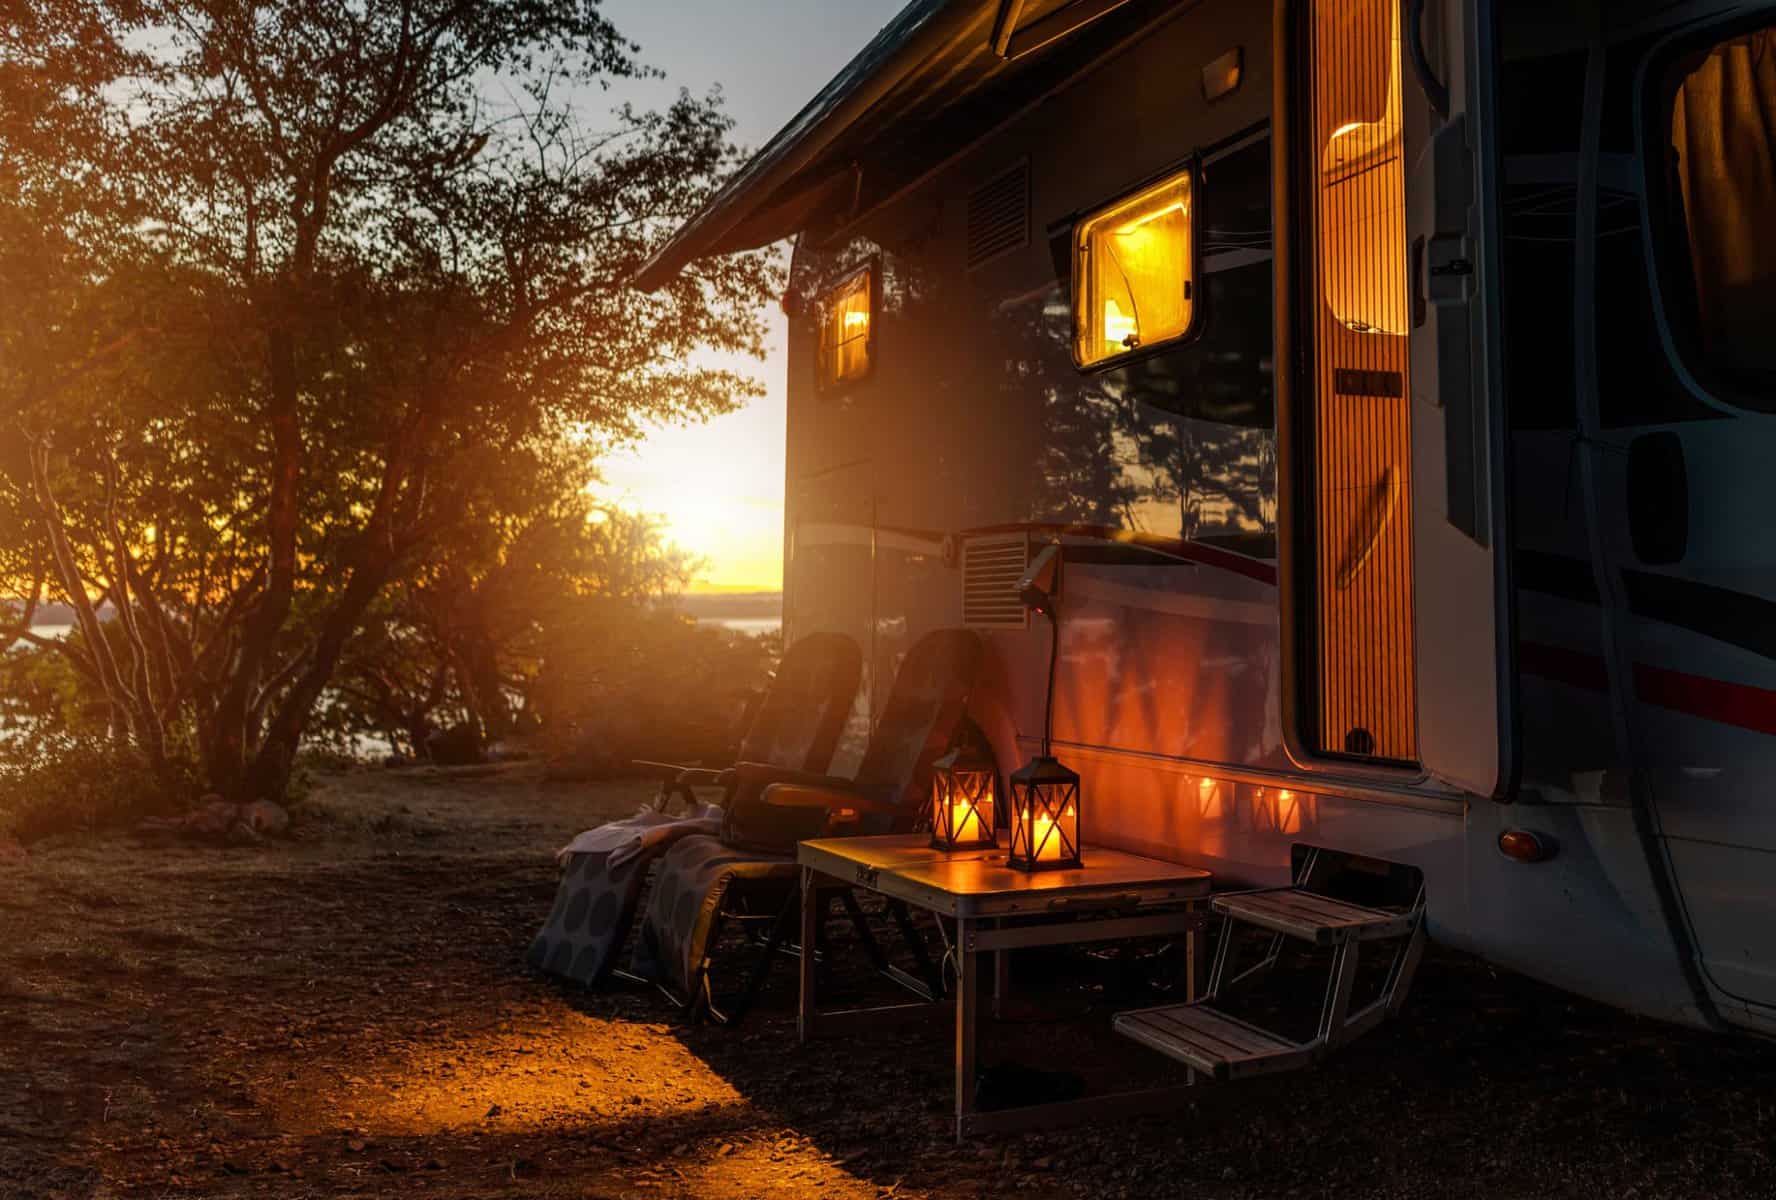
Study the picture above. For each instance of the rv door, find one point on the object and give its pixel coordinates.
(1397, 562)
(1465, 643)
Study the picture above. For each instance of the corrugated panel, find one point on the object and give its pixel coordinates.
(999, 215)
(991, 568)
(1362, 452)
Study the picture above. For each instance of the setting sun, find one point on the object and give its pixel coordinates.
(717, 490)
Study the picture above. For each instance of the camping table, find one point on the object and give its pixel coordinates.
(995, 910)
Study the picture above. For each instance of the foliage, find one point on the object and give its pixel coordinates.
(655, 686)
(307, 306)
(61, 780)
(463, 641)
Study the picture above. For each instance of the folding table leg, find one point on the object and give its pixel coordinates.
(967, 980)
(915, 941)
(860, 924)
(1001, 977)
(805, 1000)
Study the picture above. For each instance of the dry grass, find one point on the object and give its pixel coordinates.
(348, 1014)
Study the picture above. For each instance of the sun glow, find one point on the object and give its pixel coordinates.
(717, 490)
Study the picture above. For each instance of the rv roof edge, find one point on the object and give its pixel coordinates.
(893, 53)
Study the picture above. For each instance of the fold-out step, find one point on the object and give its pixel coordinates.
(1208, 1040)
(1313, 918)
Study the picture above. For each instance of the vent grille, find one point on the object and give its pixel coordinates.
(999, 216)
(991, 568)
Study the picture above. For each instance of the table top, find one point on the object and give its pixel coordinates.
(970, 883)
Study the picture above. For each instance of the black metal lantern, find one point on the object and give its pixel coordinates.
(962, 801)
(1044, 816)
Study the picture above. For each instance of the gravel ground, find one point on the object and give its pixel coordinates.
(347, 1013)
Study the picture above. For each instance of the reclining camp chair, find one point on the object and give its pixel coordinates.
(604, 871)
(793, 727)
(748, 873)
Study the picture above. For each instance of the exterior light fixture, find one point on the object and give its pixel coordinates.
(1222, 76)
(962, 796)
(1045, 796)
(1525, 846)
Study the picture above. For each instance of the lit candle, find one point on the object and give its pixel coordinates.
(965, 823)
(1041, 836)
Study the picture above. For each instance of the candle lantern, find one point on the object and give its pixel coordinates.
(962, 794)
(1044, 816)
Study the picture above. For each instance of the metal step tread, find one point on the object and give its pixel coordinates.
(1211, 1041)
(1312, 917)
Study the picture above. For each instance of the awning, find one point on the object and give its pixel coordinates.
(935, 59)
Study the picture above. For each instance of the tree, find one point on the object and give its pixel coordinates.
(287, 284)
(465, 638)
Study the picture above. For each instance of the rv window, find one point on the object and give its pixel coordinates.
(847, 319)
(1720, 199)
(1362, 195)
(1132, 270)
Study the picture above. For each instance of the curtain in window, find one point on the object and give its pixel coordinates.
(1723, 132)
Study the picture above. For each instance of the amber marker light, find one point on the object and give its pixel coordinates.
(1521, 845)
(1221, 77)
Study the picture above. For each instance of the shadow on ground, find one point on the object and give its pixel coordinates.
(348, 1014)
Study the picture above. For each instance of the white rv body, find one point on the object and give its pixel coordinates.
(1589, 667)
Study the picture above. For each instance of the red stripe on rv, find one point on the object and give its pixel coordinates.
(1571, 667)
(1739, 704)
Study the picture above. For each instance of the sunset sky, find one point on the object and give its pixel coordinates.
(719, 487)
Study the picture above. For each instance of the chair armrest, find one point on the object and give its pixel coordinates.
(664, 769)
(806, 795)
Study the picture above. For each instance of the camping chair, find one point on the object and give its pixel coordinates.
(605, 870)
(748, 873)
(793, 727)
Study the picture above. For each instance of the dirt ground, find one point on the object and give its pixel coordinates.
(348, 1013)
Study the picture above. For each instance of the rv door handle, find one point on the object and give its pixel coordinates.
(1390, 498)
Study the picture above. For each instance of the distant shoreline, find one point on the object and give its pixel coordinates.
(729, 606)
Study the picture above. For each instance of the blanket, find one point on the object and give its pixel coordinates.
(603, 873)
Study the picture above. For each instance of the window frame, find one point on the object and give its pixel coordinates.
(1189, 168)
(1655, 94)
(870, 270)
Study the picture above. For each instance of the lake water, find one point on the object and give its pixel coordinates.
(750, 626)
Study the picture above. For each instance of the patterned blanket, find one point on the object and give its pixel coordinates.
(601, 881)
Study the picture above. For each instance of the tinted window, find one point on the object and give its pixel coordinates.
(1636, 384)
(1542, 103)
(1538, 307)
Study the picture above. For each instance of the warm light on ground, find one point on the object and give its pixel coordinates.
(571, 1069)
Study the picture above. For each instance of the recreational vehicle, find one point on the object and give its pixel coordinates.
(1385, 392)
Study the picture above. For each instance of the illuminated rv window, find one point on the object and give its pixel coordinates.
(847, 320)
(1132, 271)
(1362, 200)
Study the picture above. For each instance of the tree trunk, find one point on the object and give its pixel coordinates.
(268, 774)
(228, 765)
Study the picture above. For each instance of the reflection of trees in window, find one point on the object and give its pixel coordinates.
(1079, 476)
(1139, 447)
